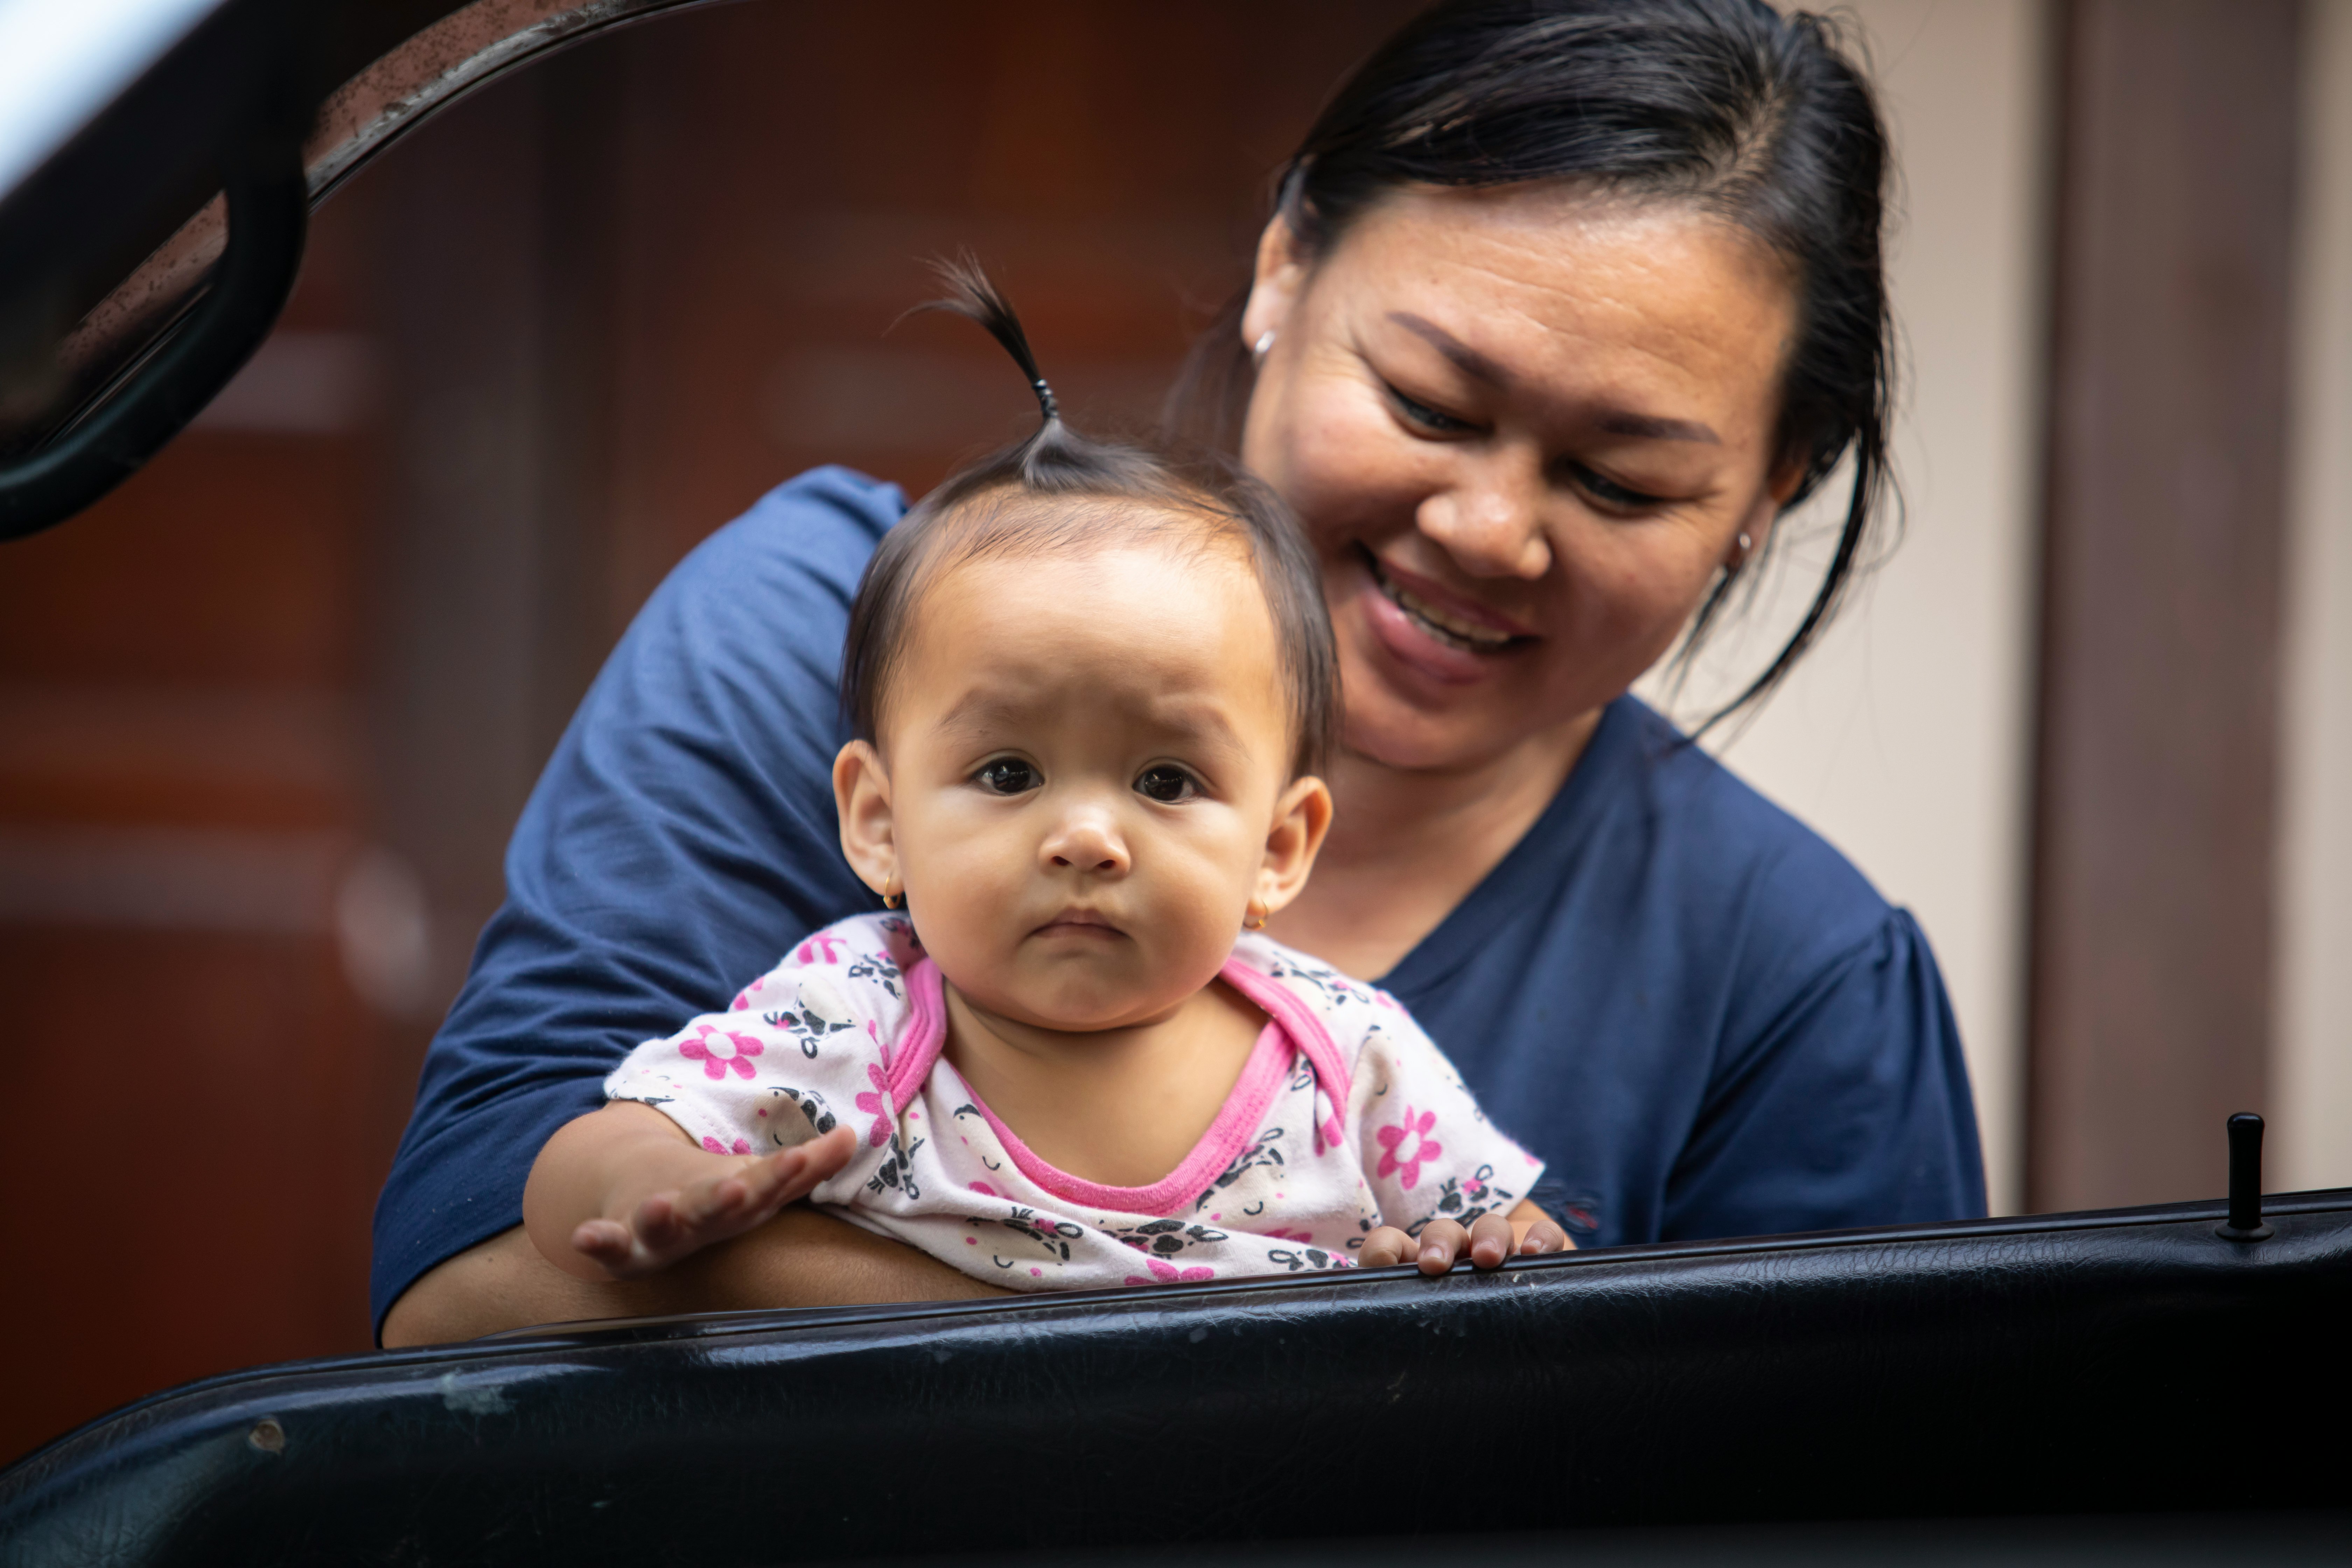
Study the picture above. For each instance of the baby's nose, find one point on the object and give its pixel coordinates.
(1087, 841)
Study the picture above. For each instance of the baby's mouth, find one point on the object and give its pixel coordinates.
(1450, 630)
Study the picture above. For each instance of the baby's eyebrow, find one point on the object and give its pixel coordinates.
(1185, 718)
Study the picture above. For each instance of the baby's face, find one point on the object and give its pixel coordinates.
(1087, 767)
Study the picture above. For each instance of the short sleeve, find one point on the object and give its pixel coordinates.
(1846, 1105)
(682, 834)
(1428, 1150)
(803, 1049)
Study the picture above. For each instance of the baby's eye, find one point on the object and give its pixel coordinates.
(1007, 775)
(1166, 784)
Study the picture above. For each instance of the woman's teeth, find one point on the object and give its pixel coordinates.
(1451, 630)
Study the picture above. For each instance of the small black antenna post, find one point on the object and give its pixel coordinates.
(2245, 1221)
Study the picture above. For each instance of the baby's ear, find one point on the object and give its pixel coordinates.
(1301, 818)
(861, 796)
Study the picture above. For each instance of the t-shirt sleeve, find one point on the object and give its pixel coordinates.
(1848, 1104)
(1428, 1153)
(800, 1051)
(682, 834)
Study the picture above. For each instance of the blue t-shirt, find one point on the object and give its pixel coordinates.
(1699, 1015)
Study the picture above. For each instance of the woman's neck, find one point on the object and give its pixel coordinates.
(1407, 845)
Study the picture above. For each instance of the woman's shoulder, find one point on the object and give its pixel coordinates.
(1714, 843)
(819, 527)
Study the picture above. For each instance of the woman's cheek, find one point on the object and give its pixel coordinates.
(1348, 475)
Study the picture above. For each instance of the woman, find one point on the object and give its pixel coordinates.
(1563, 302)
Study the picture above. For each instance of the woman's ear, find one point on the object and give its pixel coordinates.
(1757, 526)
(1301, 818)
(1273, 286)
(861, 795)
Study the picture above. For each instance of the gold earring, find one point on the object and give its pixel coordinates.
(1254, 918)
(890, 895)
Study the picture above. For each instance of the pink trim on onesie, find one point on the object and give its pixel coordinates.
(1289, 1026)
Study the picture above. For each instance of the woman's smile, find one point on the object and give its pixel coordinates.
(1438, 636)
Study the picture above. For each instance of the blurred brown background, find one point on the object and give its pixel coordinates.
(268, 714)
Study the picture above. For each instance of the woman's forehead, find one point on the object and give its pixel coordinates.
(1553, 290)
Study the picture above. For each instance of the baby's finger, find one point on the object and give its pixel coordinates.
(823, 1158)
(657, 1226)
(605, 1241)
(1546, 1236)
(1442, 1241)
(712, 1202)
(1385, 1246)
(1490, 1241)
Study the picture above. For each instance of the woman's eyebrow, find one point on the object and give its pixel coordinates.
(1619, 422)
(1467, 360)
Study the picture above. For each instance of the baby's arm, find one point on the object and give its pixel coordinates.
(623, 1192)
(1526, 1232)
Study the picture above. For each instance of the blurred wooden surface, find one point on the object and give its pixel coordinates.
(2156, 804)
(323, 645)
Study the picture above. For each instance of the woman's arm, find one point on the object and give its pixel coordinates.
(682, 834)
(800, 1259)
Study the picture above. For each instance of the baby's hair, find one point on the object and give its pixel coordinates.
(1061, 491)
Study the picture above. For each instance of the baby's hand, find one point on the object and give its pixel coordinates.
(741, 1192)
(1490, 1241)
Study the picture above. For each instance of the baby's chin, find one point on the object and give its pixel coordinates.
(1075, 1006)
(1069, 1016)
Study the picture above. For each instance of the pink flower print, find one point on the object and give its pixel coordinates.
(742, 1146)
(877, 1102)
(823, 942)
(983, 1188)
(742, 1002)
(1290, 1236)
(1407, 1144)
(1167, 1273)
(717, 1051)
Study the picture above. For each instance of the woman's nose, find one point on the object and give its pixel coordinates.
(1490, 519)
(1085, 839)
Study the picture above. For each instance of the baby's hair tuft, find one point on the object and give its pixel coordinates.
(978, 512)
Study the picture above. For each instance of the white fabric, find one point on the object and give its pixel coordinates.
(849, 1029)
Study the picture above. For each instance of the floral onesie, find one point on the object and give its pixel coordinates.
(1345, 1117)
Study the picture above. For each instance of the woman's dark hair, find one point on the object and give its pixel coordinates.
(1061, 491)
(1727, 105)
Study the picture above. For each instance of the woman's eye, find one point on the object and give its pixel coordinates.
(1610, 493)
(1422, 414)
(1007, 775)
(1165, 785)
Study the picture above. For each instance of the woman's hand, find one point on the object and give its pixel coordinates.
(620, 1193)
(1489, 1242)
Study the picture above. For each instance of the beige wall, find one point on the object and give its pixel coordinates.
(2310, 1108)
(1904, 737)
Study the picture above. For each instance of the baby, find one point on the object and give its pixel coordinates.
(1089, 692)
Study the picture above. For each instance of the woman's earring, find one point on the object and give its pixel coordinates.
(1254, 918)
(1259, 349)
(890, 895)
(1746, 545)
